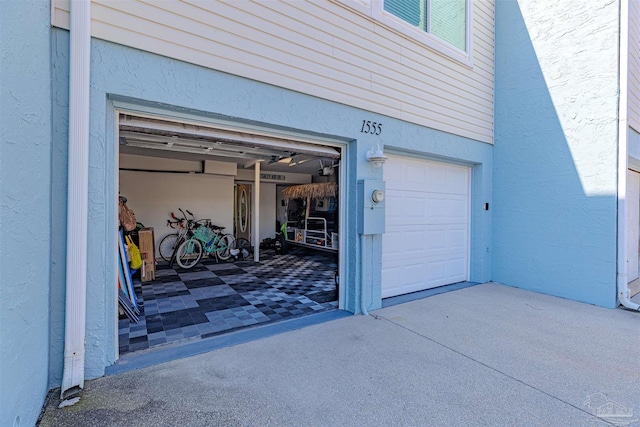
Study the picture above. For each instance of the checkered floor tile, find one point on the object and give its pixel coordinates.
(213, 298)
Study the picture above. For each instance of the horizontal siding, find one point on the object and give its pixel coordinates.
(320, 48)
(634, 64)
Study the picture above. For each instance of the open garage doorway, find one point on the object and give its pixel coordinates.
(252, 242)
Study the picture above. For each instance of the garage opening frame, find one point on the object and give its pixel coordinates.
(117, 105)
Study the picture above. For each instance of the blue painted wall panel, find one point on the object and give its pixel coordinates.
(25, 197)
(154, 83)
(555, 154)
(633, 141)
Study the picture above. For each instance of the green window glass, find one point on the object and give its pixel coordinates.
(407, 10)
(449, 21)
(445, 19)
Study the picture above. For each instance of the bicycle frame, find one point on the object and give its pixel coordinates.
(215, 245)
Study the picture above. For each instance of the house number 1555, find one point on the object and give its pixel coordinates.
(373, 128)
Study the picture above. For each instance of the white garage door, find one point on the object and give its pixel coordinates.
(426, 241)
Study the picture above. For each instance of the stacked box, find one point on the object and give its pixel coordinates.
(147, 245)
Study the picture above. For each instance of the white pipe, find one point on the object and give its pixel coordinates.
(78, 179)
(623, 287)
(363, 305)
(256, 213)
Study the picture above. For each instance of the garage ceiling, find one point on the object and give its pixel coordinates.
(186, 141)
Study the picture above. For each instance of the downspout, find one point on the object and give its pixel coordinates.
(363, 304)
(77, 202)
(623, 287)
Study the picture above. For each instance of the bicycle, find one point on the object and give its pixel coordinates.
(185, 233)
(170, 242)
(209, 240)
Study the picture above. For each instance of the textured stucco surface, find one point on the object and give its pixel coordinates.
(25, 166)
(555, 149)
(153, 83)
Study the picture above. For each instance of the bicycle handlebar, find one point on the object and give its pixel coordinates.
(180, 221)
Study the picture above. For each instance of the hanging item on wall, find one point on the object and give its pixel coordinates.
(134, 253)
(127, 217)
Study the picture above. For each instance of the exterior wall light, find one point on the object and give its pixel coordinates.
(376, 156)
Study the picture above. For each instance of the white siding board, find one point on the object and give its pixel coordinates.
(453, 120)
(346, 33)
(436, 97)
(432, 85)
(290, 37)
(321, 48)
(474, 85)
(269, 58)
(180, 52)
(223, 35)
(484, 11)
(260, 68)
(412, 78)
(61, 17)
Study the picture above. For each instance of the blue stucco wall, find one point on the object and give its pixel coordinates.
(555, 154)
(25, 168)
(121, 75)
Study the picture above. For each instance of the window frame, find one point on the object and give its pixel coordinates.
(375, 10)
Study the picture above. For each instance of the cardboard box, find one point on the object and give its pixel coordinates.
(148, 269)
(146, 240)
(146, 244)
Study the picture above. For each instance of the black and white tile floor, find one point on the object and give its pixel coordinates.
(214, 298)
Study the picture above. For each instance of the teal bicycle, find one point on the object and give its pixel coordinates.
(209, 240)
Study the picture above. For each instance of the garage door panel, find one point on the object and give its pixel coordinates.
(414, 174)
(458, 209)
(433, 240)
(403, 244)
(436, 241)
(427, 225)
(436, 272)
(426, 208)
(393, 209)
(393, 172)
(457, 269)
(436, 208)
(457, 180)
(392, 242)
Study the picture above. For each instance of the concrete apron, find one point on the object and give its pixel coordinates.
(484, 355)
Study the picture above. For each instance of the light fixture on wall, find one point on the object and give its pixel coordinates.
(376, 156)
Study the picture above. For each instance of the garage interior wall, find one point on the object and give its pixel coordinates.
(154, 195)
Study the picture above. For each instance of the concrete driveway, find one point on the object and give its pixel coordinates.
(485, 355)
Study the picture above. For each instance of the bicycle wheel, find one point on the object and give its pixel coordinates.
(189, 253)
(244, 248)
(167, 246)
(225, 244)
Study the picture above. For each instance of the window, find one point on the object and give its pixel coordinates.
(445, 19)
